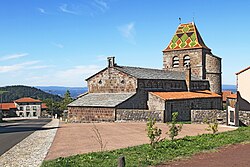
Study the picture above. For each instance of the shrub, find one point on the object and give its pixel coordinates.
(154, 133)
(174, 129)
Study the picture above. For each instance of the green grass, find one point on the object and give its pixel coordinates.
(144, 155)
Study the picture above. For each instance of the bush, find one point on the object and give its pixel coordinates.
(153, 132)
(174, 129)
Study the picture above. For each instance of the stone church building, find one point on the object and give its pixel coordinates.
(190, 79)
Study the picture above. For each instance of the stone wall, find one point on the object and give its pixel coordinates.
(199, 116)
(138, 115)
(213, 72)
(112, 81)
(244, 117)
(196, 61)
(88, 114)
(184, 107)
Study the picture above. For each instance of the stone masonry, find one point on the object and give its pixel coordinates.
(199, 116)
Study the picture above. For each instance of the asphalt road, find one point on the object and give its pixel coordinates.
(13, 132)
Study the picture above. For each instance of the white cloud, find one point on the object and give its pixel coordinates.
(101, 4)
(38, 67)
(17, 67)
(59, 45)
(13, 56)
(128, 32)
(76, 75)
(41, 10)
(64, 8)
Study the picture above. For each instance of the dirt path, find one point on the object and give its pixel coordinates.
(230, 156)
(72, 139)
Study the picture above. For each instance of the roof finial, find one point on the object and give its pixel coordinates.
(179, 20)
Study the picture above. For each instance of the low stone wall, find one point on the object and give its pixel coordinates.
(198, 116)
(90, 114)
(138, 115)
(244, 117)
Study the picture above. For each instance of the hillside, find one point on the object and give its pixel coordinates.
(19, 91)
(60, 90)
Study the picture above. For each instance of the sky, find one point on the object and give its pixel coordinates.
(62, 42)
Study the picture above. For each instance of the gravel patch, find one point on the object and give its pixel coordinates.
(31, 151)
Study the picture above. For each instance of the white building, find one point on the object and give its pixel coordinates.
(28, 107)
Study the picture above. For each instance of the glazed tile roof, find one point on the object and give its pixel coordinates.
(185, 95)
(186, 36)
(101, 100)
(27, 100)
(147, 73)
(7, 106)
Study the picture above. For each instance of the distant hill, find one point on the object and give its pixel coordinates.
(19, 91)
(60, 90)
(229, 87)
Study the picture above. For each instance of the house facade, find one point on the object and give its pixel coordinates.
(131, 93)
(243, 97)
(23, 107)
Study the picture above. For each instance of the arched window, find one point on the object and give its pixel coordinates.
(176, 61)
(186, 60)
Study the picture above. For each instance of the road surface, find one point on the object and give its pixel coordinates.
(13, 132)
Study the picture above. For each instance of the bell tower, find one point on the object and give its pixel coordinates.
(188, 47)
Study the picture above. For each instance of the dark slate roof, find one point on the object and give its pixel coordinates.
(147, 73)
(101, 100)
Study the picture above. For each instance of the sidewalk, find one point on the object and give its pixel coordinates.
(31, 151)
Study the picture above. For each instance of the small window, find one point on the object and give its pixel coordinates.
(122, 81)
(100, 82)
(34, 114)
(186, 60)
(176, 61)
(34, 108)
(21, 108)
(27, 108)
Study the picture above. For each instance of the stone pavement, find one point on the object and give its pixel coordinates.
(31, 151)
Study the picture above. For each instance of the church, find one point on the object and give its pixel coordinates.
(189, 80)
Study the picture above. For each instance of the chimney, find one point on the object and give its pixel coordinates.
(188, 76)
(111, 61)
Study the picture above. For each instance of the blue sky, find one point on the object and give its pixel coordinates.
(62, 42)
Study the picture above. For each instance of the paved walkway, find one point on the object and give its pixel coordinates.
(79, 138)
(31, 151)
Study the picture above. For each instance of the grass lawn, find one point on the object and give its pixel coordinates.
(144, 155)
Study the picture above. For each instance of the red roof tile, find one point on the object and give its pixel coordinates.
(185, 95)
(7, 106)
(27, 100)
(232, 96)
(225, 94)
(44, 106)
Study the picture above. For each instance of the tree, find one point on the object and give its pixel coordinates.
(66, 100)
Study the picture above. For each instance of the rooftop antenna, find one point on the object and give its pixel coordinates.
(179, 20)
